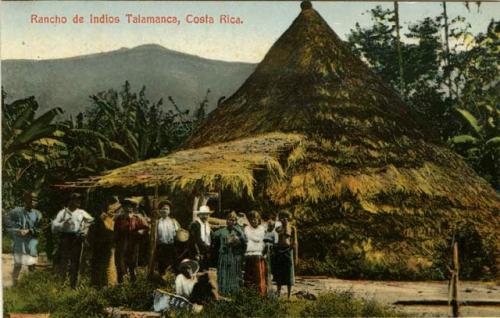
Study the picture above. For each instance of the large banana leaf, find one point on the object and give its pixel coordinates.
(470, 120)
(41, 127)
(495, 141)
(50, 142)
(465, 139)
(28, 137)
(90, 134)
(133, 143)
(26, 116)
(110, 113)
(120, 148)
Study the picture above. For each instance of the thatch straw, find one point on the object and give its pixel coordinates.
(226, 165)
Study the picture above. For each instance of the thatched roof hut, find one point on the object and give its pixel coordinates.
(346, 155)
(365, 155)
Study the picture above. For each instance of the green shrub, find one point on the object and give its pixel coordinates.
(137, 295)
(247, 303)
(37, 291)
(345, 305)
(44, 292)
(6, 243)
(82, 302)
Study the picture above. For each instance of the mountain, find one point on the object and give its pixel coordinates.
(68, 82)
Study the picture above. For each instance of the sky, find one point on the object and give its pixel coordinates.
(263, 23)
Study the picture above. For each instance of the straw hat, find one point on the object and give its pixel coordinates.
(189, 263)
(128, 202)
(204, 209)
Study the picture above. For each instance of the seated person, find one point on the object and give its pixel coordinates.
(185, 281)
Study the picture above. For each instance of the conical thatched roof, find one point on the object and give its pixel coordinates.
(367, 163)
(362, 138)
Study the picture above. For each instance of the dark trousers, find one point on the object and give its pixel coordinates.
(126, 254)
(204, 260)
(166, 256)
(71, 250)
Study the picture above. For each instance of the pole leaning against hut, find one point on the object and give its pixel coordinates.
(153, 235)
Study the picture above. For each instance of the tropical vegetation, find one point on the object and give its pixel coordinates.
(44, 292)
(451, 80)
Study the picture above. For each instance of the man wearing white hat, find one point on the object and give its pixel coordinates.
(200, 237)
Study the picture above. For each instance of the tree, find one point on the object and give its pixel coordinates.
(478, 82)
(375, 45)
(137, 128)
(481, 146)
(447, 47)
(419, 77)
(30, 146)
(442, 78)
(402, 89)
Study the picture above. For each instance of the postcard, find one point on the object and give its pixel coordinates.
(250, 158)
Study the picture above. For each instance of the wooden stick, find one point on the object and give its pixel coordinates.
(454, 282)
(153, 235)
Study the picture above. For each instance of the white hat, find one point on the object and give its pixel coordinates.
(189, 263)
(204, 209)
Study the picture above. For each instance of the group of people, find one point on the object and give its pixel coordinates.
(250, 254)
(24, 225)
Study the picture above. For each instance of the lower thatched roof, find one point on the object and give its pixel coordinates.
(228, 165)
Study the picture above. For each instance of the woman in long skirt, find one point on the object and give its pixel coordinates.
(255, 264)
(283, 267)
(229, 245)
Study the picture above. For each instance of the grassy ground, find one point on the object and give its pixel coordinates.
(43, 292)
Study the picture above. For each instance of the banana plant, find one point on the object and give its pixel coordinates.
(28, 138)
(31, 146)
(481, 144)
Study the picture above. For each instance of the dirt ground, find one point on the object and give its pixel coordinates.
(386, 292)
(389, 292)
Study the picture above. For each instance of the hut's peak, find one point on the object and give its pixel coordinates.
(306, 5)
(309, 79)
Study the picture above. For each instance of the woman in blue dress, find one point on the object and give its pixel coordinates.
(24, 226)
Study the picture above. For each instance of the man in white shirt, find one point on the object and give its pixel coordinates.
(200, 239)
(167, 229)
(185, 281)
(72, 224)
